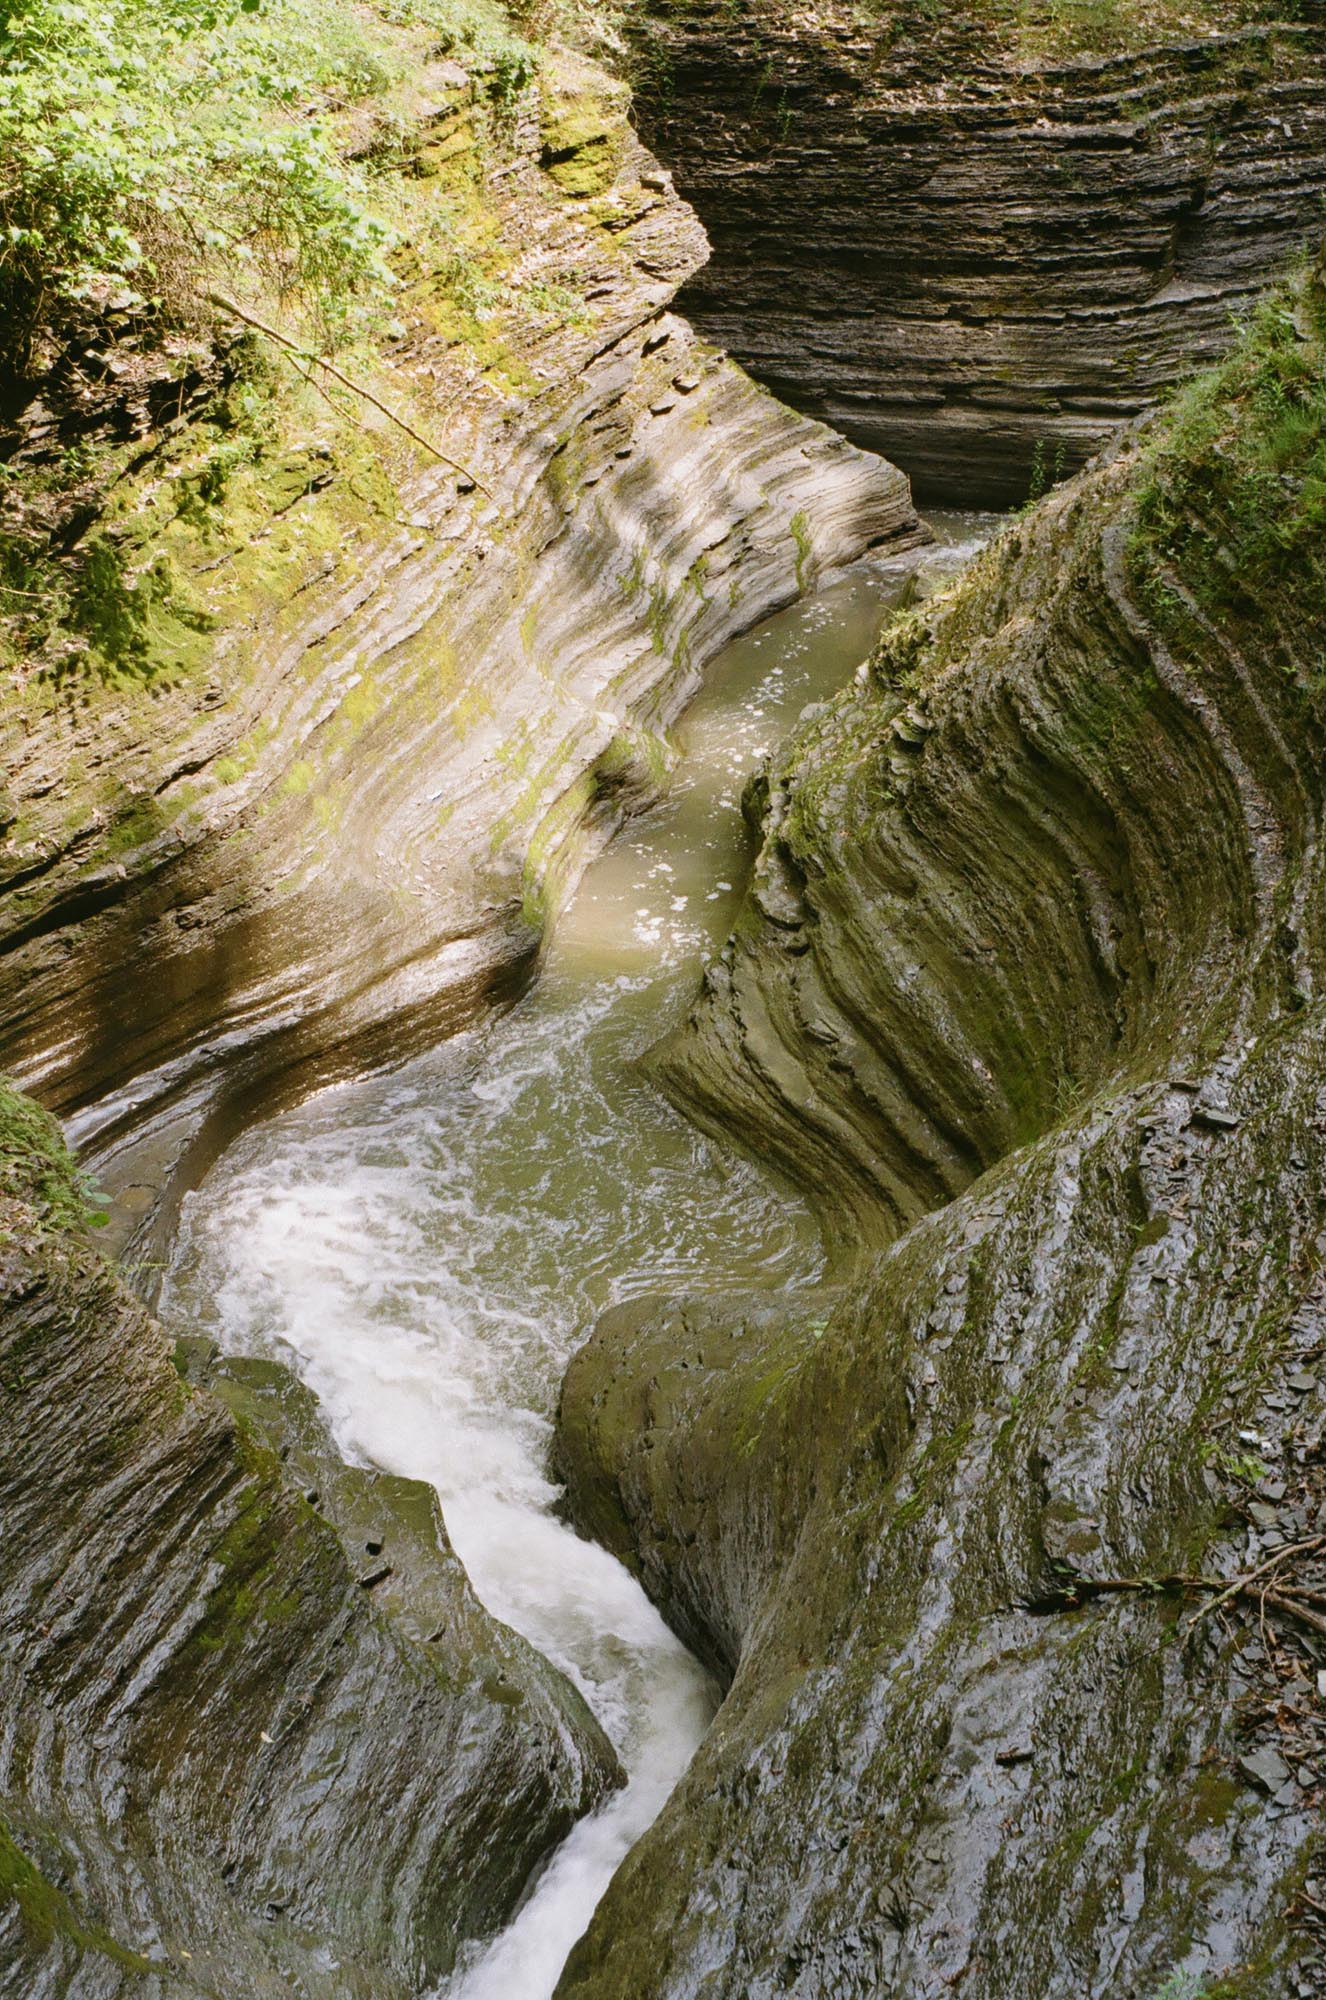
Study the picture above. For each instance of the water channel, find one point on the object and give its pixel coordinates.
(428, 1248)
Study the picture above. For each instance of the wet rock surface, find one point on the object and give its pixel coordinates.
(232, 1758)
(973, 256)
(257, 1734)
(1009, 1546)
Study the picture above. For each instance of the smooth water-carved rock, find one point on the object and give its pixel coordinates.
(967, 243)
(231, 1758)
(331, 817)
(350, 733)
(1026, 997)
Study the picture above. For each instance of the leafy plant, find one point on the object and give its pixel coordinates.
(1235, 502)
(37, 1167)
(148, 147)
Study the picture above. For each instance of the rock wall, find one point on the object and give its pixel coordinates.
(1026, 997)
(232, 1759)
(972, 251)
(330, 809)
(354, 714)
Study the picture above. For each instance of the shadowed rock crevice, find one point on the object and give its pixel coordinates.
(971, 245)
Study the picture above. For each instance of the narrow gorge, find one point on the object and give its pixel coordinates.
(671, 1345)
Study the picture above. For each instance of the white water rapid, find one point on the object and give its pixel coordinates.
(427, 1249)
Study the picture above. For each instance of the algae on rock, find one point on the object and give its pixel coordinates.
(1026, 998)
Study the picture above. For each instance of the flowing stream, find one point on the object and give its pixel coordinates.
(427, 1248)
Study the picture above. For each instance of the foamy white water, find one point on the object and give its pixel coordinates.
(428, 1249)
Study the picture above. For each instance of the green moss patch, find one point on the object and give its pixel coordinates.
(45, 1914)
(37, 1167)
(584, 140)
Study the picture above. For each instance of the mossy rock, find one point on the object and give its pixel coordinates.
(584, 141)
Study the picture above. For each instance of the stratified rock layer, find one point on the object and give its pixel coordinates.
(1027, 998)
(979, 259)
(230, 1762)
(352, 732)
(403, 700)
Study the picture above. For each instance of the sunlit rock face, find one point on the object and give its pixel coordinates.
(973, 247)
(1025, 997)
(415, 692)
(314, 825)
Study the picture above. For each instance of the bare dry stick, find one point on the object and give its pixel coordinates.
(347, 381)
(1263, 1569)
(1293, 1609)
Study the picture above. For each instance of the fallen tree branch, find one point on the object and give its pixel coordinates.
(1263, 1569)
(304, 354)
(1293, 1609)
(1259, 1585)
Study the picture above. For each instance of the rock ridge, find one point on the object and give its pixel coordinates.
(406, 705)
(1025, 996)
(204, 1707)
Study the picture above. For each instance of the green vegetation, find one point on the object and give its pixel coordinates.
(151, 148)
(169, 168)
(38, 1169)
(1231, 519)
(800, 526)
(45, 1913)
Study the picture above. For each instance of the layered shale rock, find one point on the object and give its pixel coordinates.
(333, 749)
(230, 1761)
(1026, 996)
(975, 239)
(333, 706)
